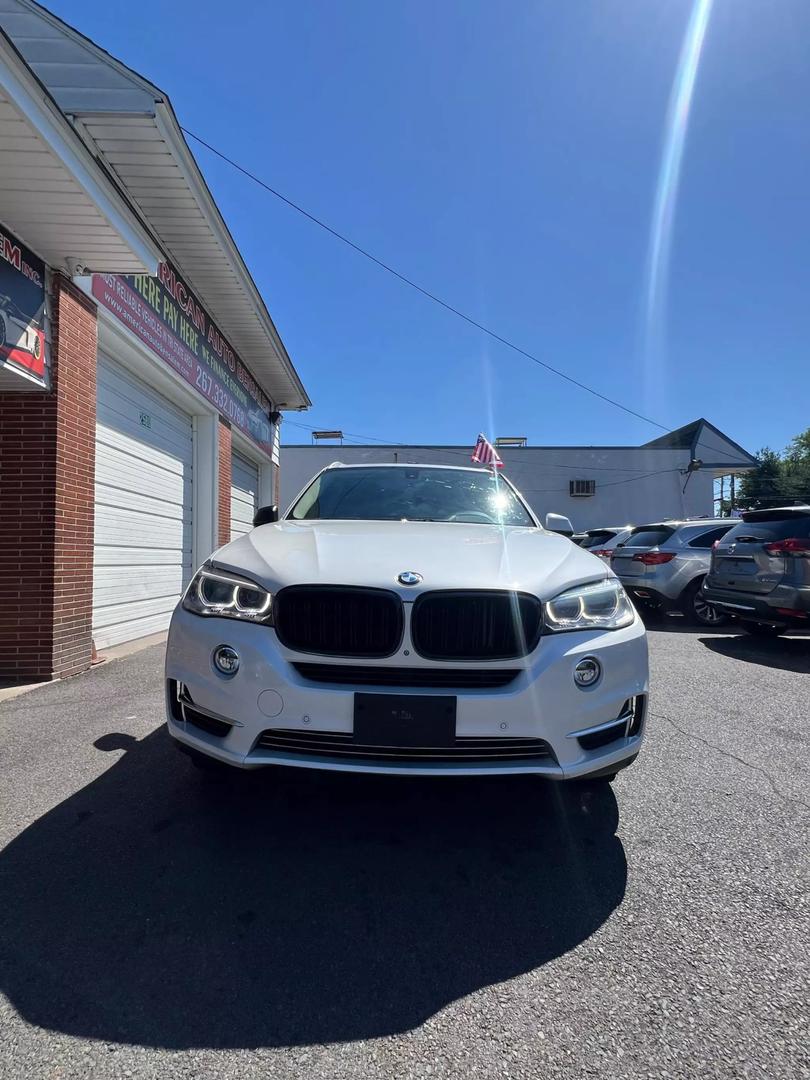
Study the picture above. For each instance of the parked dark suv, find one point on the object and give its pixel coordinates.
(760, 571)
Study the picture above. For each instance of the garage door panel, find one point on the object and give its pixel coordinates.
(143, 527)
(123, 622)
(244, 495)
(131, 558)
(113, 587)
(126, 499)
(122, 402)
(114, 445)
(115, 525)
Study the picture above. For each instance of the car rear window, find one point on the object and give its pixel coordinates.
(594, 539)
(770, 528)
(649, 537)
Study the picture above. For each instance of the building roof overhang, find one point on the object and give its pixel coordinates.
(128, 123)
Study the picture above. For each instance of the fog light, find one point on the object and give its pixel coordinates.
(587, 671)
(226, 659)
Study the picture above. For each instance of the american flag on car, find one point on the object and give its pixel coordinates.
(486, 454)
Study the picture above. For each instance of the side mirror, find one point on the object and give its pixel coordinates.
(558, 523)
(265, 515)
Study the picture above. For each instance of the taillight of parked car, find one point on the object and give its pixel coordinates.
(604, 553)
(793, 545)
(654, 558)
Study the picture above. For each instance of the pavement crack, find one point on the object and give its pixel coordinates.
(784, 795)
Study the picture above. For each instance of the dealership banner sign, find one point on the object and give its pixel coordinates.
(164, 313)
(22, 307)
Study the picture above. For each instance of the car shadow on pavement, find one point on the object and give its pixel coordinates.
(787, 653)
(289, 907)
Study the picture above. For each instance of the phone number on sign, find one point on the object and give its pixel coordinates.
(223, 401)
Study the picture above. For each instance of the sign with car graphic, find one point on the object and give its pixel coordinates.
(22, 308)
(165, 314)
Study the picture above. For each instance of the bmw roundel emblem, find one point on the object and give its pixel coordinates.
(409, 577)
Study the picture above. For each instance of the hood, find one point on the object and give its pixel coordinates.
(448, 555)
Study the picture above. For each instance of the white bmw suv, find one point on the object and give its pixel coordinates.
(408, 619)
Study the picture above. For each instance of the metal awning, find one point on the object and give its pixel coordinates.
(52, 193)
(130, 125)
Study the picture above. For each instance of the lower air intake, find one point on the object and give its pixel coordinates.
(340, 746)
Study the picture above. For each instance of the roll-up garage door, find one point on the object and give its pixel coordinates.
(244, 495)
(143, 533)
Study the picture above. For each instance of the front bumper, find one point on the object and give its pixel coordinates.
(268, 695)
(763, 608)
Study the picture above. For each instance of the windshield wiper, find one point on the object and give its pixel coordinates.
(749, 539)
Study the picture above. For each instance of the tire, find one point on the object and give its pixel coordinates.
(698, 610)
(758, 629)
(651, 614)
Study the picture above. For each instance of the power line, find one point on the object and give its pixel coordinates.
(419, 288)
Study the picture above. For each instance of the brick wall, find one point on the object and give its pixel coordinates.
(224, 484)
(47, 466)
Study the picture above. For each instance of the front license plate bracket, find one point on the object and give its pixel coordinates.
(404, 720)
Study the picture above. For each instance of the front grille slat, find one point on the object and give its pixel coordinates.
(339, 620)
(495, 625)
(326, 744)
(446, 678)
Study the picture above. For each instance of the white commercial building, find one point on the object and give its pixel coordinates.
(669, 477)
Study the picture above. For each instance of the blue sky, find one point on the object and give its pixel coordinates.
(506, 157)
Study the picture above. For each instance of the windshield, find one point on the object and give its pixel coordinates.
(411, 494)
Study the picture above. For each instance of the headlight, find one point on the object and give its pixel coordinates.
(217, 592)
(601, 606)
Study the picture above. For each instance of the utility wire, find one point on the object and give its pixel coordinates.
(426, 292)
(419, 288)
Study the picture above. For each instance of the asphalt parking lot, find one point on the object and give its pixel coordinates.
(315, 925)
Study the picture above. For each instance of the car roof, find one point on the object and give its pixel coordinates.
(404, 465)
(677, 524)
(609, 528)
(762, 513)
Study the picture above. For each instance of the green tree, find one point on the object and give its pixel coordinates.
(779, 477)
(762, 486)
(796, 468)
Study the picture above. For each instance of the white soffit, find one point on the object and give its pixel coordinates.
(53, 196)
(131, 125)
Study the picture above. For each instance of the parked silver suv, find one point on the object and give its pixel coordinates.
(760, 571)
(663, 565)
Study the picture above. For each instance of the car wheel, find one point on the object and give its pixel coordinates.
(697, 608)
(762, 629)
(651, 613)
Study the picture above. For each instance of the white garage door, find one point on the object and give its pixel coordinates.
(244, 495)
(143, 553)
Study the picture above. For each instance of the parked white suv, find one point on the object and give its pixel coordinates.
(408, 619)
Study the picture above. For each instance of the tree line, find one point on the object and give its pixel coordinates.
(780, 478)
